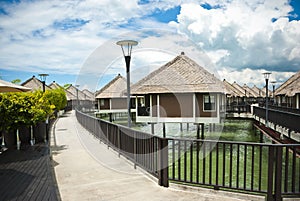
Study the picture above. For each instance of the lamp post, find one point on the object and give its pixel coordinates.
(77, 85)
(43, 77)
(267, 76)
(127, 45)
(273, 83)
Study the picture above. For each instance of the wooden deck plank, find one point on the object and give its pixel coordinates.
(27, 174)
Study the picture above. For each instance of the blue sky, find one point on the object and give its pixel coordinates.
(72, 40)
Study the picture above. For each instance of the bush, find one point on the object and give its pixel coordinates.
(20, 108)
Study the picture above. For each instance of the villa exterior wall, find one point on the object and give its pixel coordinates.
(118, 103)
(176, 105)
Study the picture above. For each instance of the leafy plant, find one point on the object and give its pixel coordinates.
(21, 108)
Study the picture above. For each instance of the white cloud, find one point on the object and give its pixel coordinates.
(236, 35)
(35, 36)
(244, 33)
(252, 77)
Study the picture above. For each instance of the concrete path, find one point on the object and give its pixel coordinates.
(87, 170)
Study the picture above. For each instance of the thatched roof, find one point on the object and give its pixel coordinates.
(72, 93)
(88, 95)
(231, 90)
(260, 92)
(34, 84)
(250, 92)
(10, 87)
(70, 96)
(290, 87)
(114, 89)
(180, 75)
(239, 88)
(54, 85)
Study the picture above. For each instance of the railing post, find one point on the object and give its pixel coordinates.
(119, 140)
(134, 149)
(270, 174)
(278, 174)
(163, 159)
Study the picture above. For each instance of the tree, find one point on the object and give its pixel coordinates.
(16, 81)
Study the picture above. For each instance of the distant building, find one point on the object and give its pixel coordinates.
(288, 94)
(179, 91)
(34, 84)
(233, 95)
(112, 98)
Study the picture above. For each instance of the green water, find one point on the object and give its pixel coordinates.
(253, 175)
(230, 130)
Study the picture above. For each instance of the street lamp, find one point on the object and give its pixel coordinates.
(274, 82)
(77, 86)
(127, 45)
(43, 77)
(267, 76)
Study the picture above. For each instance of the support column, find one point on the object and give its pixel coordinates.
(164, 130)
(152, 127)
(202, 130)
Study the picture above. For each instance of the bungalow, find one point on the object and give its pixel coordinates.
(179, 91)
(34, 84)
(112, 98)
(233, 95)
(288, 94)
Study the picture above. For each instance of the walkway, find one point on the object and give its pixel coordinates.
(27, 174)
(87, 170)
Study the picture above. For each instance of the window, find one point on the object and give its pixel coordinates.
(101, 102)
(209, 102)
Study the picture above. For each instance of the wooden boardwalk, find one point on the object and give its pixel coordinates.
(27, 174)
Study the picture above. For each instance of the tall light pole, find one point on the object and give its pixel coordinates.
(43, 77)
(127, 45)
(77, 86)
(273, 83)
(267, 76)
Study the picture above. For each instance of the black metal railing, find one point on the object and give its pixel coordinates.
(281, 118)
(270, 169)
(285, 109)
(238, 108)
(143, 149)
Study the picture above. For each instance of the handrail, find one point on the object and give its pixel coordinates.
(271, 169)
(285, 119)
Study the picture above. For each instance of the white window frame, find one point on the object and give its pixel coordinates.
(209, 98)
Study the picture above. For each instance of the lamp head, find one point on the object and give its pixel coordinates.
(43, 76)
(128, 45)
(267, 75)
